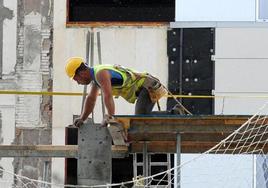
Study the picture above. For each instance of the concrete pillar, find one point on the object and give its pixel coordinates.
(94, 155)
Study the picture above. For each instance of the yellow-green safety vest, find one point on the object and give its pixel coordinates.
(132, 81)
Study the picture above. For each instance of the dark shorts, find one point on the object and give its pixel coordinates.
(144, 105)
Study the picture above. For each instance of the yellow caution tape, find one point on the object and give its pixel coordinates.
(219, 96)
(14, 92)
(39, 93)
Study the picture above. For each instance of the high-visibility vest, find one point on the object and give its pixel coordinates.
(132, 81)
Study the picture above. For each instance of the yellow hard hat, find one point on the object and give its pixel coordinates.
(72, 65)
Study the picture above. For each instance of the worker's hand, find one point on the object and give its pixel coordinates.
(78, 122)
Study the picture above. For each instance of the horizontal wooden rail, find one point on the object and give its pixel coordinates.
(66, 151)
(60, 151)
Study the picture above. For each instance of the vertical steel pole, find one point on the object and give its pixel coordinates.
(87, 60)
(254, 170)
(181, 61)
(92, 59)
(145, 161)
(178, 162)
(100, 62)
(45, 173)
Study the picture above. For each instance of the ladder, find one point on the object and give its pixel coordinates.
(151, 163)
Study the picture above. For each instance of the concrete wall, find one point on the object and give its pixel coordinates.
(7, 133)
(25, 43)
(9, 37)
(33, 61)
(7, 62)
(33, 73)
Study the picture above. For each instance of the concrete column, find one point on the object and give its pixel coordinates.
(94, 155)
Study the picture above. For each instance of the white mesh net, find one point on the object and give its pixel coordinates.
(240, 160)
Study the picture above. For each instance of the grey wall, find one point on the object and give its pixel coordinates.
(26, 62)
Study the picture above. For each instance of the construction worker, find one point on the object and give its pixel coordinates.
(114, 80)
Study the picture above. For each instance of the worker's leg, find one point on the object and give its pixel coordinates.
(144, 105)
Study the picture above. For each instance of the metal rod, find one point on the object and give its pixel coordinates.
(100, 62)
(169, 167)
(145, 162)
(92, 49)
(181, 60)
(86, 62)
(45, 173)
(87, 47)
(135, 165)
(178, 162)
(92, 60)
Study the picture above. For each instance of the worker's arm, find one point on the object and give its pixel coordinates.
(88, 105)
(90, 102)
(104, 79)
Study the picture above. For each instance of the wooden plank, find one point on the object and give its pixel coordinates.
(148, 136)
(170, 147)
(120, 148)
(64, 151)
(117, 133)
(67, 151)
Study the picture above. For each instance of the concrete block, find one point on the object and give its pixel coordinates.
(94, 155)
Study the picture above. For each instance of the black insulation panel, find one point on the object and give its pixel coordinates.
(191, 71)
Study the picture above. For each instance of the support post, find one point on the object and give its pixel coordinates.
(87, 63)
(100, 62)
(145, 161)
(45, 174)
(94, 155)
(178, 159)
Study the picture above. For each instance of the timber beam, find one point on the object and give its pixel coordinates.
(198, 133)
(59, 151)
(67, 151)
